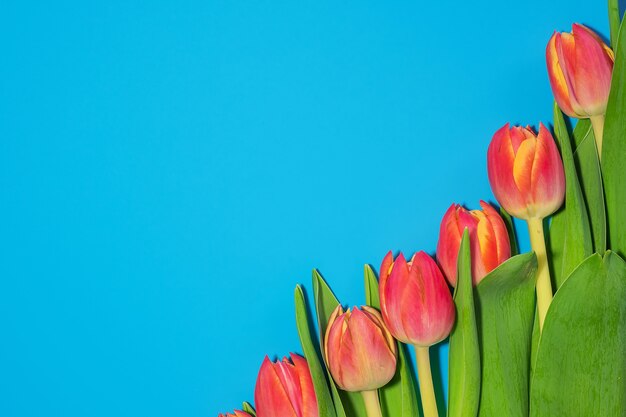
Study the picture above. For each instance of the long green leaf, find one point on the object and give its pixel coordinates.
(399, 397)
(570, 239)
(614, 151)
(506, 311)
(614, 21)
(324, 399)
(581, 360)
(464, 355)
(347, 404)
(588, 167)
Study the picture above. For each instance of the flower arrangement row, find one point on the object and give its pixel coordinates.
(535, 334)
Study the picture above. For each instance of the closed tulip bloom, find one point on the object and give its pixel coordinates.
(359, 350)
(415, 300)
(489, 240)
(285, 389)
(526, 172)
(580, 66)
(236, 413)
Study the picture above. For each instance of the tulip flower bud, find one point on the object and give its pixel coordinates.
(285, 389)
(580, 66)
(489, 240)
(526, 172)
(415, 300)
(359, 350)
(236, 413)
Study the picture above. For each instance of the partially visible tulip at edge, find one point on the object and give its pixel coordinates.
(526, 171)
(236, 413)
(580, 66)
(359, 350)
(489, 240)
(285, 389)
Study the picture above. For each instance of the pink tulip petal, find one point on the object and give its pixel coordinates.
(548, 177)
(270, 396)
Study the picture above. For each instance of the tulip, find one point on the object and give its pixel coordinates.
(580, 65)
(236, 413)
(359, 350)
(285, 389)
(526, 172)
(360, 353)
(417, 308)
(489, 240)
(527, 178)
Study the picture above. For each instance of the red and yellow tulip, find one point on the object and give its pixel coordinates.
(359, 350)
(415, 300)
(580, 65)
(285, 389)
(526, 172)
(489, 240)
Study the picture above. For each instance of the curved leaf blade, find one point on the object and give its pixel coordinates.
(506, 311)
(324, 400)
(581, 361)
(464, 355)
(570, 239)
(614, 151)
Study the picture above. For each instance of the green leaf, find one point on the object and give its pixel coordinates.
(614, 21)
(371, 288)
(588, 167)
(510, 228)
(247, 407)
(464, 355)
(581, 360)
(347, 404)
(570, 236)
(506, 311)
(324, 400)
(399, 397)
(614, 151)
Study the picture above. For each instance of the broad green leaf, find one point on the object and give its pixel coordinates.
(614, 151)
(347, 404)
(588, 167)
(505, 306)
(510, 228)
(399, 397)
(324, 399)
(570, 236)
(614, 21)
(247, 407)
(464, 355)
(581, 360)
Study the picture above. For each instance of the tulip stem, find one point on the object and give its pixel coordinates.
(425, 376)
(372, 403)
(598, 130)
(544, 285)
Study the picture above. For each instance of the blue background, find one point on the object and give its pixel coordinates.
(170, 171)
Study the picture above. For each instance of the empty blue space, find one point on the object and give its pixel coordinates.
(171, 170)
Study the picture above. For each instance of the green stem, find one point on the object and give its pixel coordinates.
(372, 404)
(544, 285)
(424, 374)
(598, 130)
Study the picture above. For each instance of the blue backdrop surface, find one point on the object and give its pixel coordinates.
(170, 171)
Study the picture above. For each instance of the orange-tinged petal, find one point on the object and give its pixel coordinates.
(500, 160)
(548, 176)
(557, 79)
(522, 167)
(270, 397)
